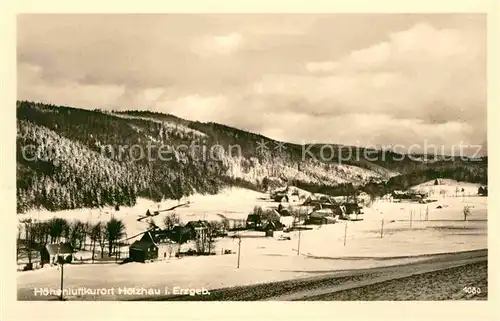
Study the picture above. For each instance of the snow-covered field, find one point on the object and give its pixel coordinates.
(233, 203)
(405, 233)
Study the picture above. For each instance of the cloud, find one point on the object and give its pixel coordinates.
(218, 45)
(196, 107)
(323, 66)
(423, 72)
(64, 92)
(402, 79)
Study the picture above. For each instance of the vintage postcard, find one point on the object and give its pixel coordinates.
(328, 156)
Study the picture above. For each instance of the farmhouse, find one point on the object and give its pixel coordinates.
(322, 216)
(411, 195)
(399, 195)
(351, 211)
(254, 221)
(268, 220)
(152, 245)
(234, 224)
(285, 218)
(319, 202)
(50, 253)
(286, 196)
(278, 195)
(198, 229)
(180, 234)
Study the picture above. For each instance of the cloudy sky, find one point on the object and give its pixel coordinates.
(361, 79)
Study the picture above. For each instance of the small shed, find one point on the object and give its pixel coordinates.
(50, 253)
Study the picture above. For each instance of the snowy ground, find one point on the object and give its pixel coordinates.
(405, 233)
(232, 203)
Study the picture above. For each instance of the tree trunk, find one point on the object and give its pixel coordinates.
(92, 244)
(110, 248)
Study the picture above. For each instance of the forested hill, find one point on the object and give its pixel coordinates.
(70, 158)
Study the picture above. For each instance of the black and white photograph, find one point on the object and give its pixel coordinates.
(251, 157)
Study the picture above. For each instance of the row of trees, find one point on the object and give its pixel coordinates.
(34, 235)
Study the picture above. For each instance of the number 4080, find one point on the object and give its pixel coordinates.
(471, 290)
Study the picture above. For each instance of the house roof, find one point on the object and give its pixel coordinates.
(197, 224)
(253, 217)
(140, 245)
(161, 236)
(273, 225)
(283, 212)
(322, 213)
(63, 248)
(273, 215)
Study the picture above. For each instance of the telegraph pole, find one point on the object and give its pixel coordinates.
(345, 233)
(62, 273)
(382, 229)
(298, 244)
(239, 251)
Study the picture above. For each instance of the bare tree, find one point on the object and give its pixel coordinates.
(152, 224)
(170, 249)
(205, 239)
(225, 224)
(171, 220)
(103, 235)
(28, 239)
(95, 237)
(211, 235)
(18, 241)
(83, 235)
(199, 243)
(115, 229)
(76, 230)
(56, 228)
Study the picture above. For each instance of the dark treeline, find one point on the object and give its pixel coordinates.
(60, 163)
(64, 160)
(475, 172)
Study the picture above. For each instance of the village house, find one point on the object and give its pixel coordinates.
(482, 191)
(351, 211)
(234, 224)
(254, 221)
(181, 234)
(285, 217)
(153, 245)
(50, 253)
(322, 216)
(400, 195)
(411, 195)
(198, 229)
